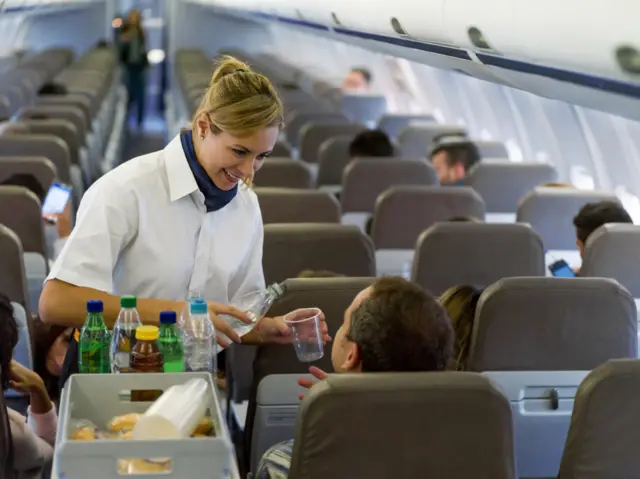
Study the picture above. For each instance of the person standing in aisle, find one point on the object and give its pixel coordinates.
(133, 56)
(178, 220)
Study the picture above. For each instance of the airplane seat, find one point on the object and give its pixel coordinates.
(333, 296)
(612, 252)
(314, 133)
(333, 157)
(393, 123)
(502, 184)
(292, 205)
(364, 179)
(284, 173)
(605, 424)
(550, 212)
(13, 281)
(552, 324)
(456, 253)
(415, 139)
(451, 424)
(365, 109)
(403, 212)
(541, 405)
(302, 118)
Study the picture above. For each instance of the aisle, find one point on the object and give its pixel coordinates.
(152, 138)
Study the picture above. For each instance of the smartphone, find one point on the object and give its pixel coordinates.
(561, 269)
(56, 200)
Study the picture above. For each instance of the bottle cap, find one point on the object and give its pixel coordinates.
(95, 306)
(168, 317)
(198, 307)
(147, 333)
(128, 302)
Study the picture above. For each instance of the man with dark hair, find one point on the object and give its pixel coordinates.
(452, 158)
(371, 143)
(593, 215)
(392, 326)
(358, 80)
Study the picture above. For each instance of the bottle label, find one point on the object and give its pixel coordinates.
(121, 362)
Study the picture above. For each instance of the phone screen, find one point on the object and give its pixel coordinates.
(56, 199)
(561, 269)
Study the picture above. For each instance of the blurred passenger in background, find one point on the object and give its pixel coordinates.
(358, 80)
(370, 143)
(460, 304)
(133, 56)
(452, 158)
(594, 215)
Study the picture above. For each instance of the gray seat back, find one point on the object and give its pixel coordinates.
(502, 184)
(333, 296)
(338, 248)
(289, 205)
(13, 280)
(493, 150)
(612, 252)
(552, 324)
(284, 173)
(415, 140)
(80, 102)
(363, 180)
(433, 418)
(333, 158)
(605, 425)
(403, 212)
(300, 119)
(49, 146)
(541, 405)
(451, 254)
(39, 167)
(20, 211)
(550, 211)
(69, 113)
(364, 109)
(392, 124)
(312, 135)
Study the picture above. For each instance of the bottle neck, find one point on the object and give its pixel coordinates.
(94, 320)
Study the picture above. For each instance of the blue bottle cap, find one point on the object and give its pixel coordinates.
(198, 307)
(168, 317)
(95, 306)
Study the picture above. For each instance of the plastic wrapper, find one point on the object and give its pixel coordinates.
(142, 466)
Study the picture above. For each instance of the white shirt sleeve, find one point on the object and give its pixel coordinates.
(107, 221)
(250, 276)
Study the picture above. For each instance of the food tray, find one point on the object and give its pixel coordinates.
(100, 397)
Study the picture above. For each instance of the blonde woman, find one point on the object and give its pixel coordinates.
(460, 304)
(177, 220)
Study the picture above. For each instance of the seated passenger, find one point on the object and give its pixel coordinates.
(460, 304)
(392, 326)
(53, 89)
(33, 438)
(453, 158)
(369, 144)
(593, 215)
(50, 348)
(358, 80)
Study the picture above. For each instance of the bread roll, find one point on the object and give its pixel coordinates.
(124, 423)
(204, 427)
(84, 434)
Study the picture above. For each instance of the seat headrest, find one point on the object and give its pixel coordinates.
(605, 424)
(455, 253)
(612, 252)
(292, 205)
(552, 324)
(432, 418)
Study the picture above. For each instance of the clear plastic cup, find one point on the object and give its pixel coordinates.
(306, 334)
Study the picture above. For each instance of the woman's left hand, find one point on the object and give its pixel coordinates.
(275, 330)
(24, 380)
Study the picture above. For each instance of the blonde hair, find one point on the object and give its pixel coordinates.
(460, 304)
(239, 101)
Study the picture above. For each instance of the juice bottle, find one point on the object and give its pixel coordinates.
(146, 356)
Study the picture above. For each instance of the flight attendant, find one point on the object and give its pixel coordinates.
(178, 220)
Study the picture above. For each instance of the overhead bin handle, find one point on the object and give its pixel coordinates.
(628, 59)
(397, 27)
(335, 19)
(478, 39)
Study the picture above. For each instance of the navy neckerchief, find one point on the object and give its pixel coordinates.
(214, 197)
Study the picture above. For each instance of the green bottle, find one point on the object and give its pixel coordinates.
(170, 343)
(94, 341)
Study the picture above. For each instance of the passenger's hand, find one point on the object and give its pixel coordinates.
(275, 330)
(24, 380)
(307, 383)
(215, 310)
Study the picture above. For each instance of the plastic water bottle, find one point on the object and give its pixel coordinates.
(124, 335)
(170, 343)
(256, 305)
(199, 339)
(93, 344)
(184, 315)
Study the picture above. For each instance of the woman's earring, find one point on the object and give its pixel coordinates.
(202, 137)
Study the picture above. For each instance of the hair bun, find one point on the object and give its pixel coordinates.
(228, 65)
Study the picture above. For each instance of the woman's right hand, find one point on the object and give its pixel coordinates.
(215, 310)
